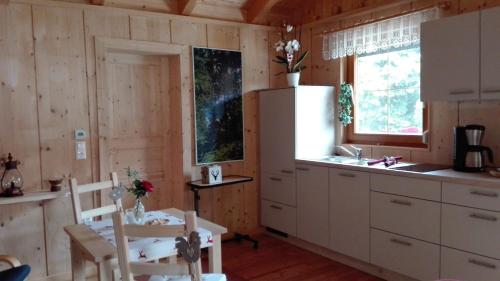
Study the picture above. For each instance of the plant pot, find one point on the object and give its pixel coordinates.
(293, 79)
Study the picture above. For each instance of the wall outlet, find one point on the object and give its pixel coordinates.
(81, 150)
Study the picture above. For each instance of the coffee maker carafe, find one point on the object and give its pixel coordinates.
(468, 153)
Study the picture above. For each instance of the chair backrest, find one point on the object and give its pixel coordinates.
(129, 268)
(76, 190)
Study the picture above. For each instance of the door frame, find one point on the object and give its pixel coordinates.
(180, 112)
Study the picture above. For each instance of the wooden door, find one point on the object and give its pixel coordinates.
(490, 60)
(312, 204)
(135, 102)
(450, 58)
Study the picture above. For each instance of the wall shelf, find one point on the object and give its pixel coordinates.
(29, 197)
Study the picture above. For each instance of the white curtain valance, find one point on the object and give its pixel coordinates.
(383, 35)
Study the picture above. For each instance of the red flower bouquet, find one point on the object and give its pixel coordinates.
(138, 187)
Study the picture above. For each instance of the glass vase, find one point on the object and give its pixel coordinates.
(139, 212)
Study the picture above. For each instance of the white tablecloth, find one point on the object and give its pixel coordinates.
(147, 249)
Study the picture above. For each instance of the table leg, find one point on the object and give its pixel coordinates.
(196, 198)
(77, 263)
(215, 255)
(105, 270)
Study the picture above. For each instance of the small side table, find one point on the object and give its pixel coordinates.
(196, 186)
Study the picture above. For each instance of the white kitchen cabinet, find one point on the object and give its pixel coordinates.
(472, 230)
(277, 132)
(350, 213)
(312, 204)
(407, 216)
(471, 196)
(279, 217)
(450, 58)
(410, 257)
(490, 60)
(465, 266)
(294, 123)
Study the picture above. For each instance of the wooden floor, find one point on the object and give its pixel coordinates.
(276, 260)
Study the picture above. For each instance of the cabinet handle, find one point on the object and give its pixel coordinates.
(483, 217)
(482, 263)
(287, 171)
(275, 179)
(401, 202)
(484, 193)
(461, 92)
(347, 175)
(400, 242)
(276, 207)
(491, 91)
(302, 169)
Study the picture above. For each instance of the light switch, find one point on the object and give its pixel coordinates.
(81, 150)
(80, 134)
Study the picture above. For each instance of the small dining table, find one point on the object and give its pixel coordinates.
(87, 245)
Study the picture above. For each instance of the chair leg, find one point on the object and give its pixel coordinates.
(105, 271)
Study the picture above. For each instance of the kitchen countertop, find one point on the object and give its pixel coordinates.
(447, 175)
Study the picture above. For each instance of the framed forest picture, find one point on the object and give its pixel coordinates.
(218, 105)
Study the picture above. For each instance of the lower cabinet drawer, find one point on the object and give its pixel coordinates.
(410, 257)
(279, 188)
(411, 217)
(472, 230)
(464, 266)
(279, 217)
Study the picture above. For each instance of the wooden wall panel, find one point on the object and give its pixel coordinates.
(223, 37)
(18, 103)
(187, 32)
(62, 107)
(277, 76)
(254, 44)
(22, 235)
(155, 29)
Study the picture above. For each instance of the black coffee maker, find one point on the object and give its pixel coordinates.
(467, 149)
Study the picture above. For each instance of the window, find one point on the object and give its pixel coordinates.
(387, 107)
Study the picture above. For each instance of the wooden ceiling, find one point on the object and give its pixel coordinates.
(269, 12)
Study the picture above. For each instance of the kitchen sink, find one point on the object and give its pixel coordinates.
(346, 160)
(420, 168)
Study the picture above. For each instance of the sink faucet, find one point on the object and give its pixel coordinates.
(357, 151)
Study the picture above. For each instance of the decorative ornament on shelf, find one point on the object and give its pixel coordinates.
(139, 188)
(12, 181)
(345, 104)
(211, 174)
(290, 54)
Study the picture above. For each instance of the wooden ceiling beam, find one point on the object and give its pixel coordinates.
(259, 8)
(186, 7)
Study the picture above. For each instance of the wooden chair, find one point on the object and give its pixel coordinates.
(182, 271)
(80, 216)
(16, 272)
(76, 190)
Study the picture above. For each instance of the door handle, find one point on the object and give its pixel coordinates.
(287, 171)
(491, 91)
(276, 207)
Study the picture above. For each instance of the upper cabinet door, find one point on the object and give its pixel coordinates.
(490, 54)
(450, 58)
(277, 131)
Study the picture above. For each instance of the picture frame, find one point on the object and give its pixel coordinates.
(218, 105)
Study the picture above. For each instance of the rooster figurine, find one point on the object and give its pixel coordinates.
(190, 251)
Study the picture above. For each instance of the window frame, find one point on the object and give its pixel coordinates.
(381, 139)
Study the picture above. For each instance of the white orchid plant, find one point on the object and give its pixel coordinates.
(288, 48)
